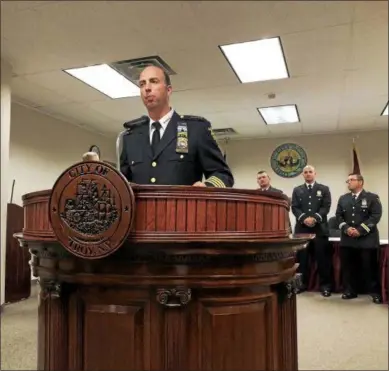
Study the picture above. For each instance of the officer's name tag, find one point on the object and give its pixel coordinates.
(182, 138)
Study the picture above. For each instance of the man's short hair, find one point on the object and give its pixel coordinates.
(167, 78)
(262, 172)
(358, 176)
(165, 74)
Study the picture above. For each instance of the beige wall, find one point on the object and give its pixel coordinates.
(42, 147)
(330, 154)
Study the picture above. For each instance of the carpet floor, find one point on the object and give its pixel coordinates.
(332, 334)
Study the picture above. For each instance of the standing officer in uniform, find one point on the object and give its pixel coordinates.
(358, 214)
(311, 203)
(263, 181)
(166, 148)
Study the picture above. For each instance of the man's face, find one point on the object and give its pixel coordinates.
(353, 183)
(153, 89)
(263, 180)
(309, 174)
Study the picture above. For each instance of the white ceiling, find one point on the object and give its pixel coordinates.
(336, 52)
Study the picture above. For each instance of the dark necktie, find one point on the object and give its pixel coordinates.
(156, 136)
(354, 198)
(309, 187)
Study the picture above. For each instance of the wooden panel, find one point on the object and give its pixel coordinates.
(238, 335)
(287, 318)
(52, 333)
(115, 331)
(17, 267)
(174, 338)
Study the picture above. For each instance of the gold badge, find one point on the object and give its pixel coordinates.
(182, 138)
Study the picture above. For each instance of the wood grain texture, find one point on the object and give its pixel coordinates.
(198, 285)
(184, 214)
(17, 267)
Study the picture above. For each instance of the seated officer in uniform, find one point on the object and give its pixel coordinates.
(311, 203)
(358, 214)
(166, 148)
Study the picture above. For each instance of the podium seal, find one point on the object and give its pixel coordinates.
(91, 209)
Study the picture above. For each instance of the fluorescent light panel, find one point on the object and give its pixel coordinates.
(259, 60)
(106, 80)
(385, 111)
(279, 114)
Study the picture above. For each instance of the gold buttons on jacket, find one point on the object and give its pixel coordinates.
(153, 180)
(153, 164)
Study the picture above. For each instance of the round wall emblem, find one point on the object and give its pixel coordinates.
(288, 160)
(91, 209)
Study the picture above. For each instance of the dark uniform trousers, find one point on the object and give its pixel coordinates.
(316, 203)
(359, 255)
(185, 154)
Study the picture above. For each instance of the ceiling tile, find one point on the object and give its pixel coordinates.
(40, 96)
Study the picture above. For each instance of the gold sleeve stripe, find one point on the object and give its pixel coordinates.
(216, 182)
(365, 227)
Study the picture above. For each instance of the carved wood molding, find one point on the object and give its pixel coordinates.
(51, 289)
(174, 297)
(286, 290)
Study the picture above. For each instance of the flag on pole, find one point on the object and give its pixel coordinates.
(356, 167)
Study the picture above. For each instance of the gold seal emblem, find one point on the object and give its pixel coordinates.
(91, 209)
(288, 160)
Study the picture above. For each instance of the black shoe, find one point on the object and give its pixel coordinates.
(326, 293)
(376, 298)
(349, 295)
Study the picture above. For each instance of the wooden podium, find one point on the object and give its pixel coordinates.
(161, 278)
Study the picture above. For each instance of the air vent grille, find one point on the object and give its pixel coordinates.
(133, 67)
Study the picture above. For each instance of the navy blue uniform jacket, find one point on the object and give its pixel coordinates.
(168, 166)
(363, 214)
(315, 203)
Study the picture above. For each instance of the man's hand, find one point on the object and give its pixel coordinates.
(352, 232)
(199, 184)
(310, 222)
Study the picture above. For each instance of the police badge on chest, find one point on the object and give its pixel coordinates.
(364, 203)
(182, 138)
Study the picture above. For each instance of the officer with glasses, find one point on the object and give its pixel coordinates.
(358, 213)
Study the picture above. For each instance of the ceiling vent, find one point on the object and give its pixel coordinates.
(133, 67)
(224, 132)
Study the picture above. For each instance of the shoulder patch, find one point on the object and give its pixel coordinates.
(212, 133)
(193, 118)
(137, 122)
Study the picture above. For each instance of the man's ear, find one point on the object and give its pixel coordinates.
(169, 90)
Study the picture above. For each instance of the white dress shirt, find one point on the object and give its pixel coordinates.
(163, 121)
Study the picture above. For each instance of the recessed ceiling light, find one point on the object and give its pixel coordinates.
(106, 80)
(259, 60)
(385, 111)
(279, 114)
